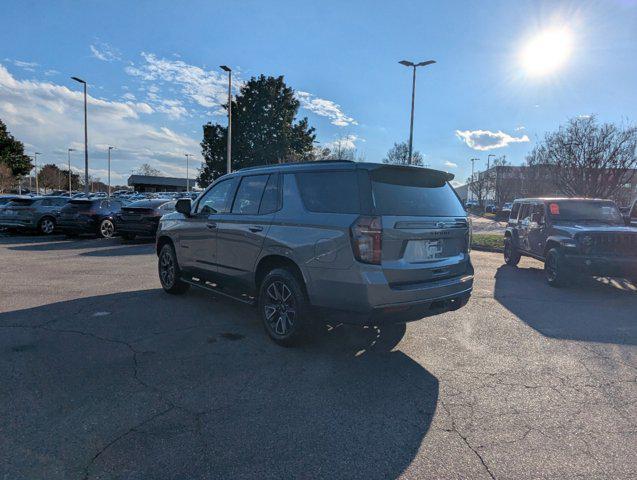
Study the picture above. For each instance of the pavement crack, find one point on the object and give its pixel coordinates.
(133, 429)
(454, 428)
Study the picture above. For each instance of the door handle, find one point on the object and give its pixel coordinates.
(255, 228)
(211, 225)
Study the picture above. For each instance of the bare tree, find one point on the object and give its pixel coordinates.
(479, 187)
(399, 155)
(146, 169)
(588, 159)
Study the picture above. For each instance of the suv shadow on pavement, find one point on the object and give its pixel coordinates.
(159, 386)
(593, 310)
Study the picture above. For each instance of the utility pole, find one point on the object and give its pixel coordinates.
(229, 161)
(407, 63)
(109, 171)
(187, 155)
(86, 186)
(35, 162)
(488, 178)
(473, 160)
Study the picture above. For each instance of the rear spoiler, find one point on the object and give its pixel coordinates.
(410, 176)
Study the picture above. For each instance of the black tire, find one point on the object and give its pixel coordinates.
(128, 236)
(46, 225)
(555, 270)
(284, 308)
(169, 272)
(106, 229)
(511, 254)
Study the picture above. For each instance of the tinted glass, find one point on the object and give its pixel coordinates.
(249, 195)
(525, 211)
(633, 213)
(515, 209)
(582, 211)
(403, 199)
(22, 202)
(270, 200)
(330, 192)
(216, 199)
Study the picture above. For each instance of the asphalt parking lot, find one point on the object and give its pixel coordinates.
(105, 376)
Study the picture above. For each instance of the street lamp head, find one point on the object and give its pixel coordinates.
(71, 149)
(425, 63)
(112, 148)
(225, 68)
(406, 63)
(77, 79)
(37, 153)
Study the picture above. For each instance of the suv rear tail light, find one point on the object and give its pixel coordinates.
(366, 234)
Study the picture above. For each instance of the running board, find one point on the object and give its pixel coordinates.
(213, 288)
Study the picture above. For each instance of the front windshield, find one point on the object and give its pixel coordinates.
(585, 211)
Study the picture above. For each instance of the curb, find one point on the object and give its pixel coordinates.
(482, 248)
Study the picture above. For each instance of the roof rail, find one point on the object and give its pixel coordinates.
(311, 162)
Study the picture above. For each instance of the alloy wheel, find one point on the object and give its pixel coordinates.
(47, 226)
(107, 229)
(280, 308)
(167, 269)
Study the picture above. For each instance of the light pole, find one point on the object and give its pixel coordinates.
(70, 176)
(229, 161)
(473, 160)
(35, 162)
(488, 178)
(109, 171)
(407, 63)
(85, 137)
(187, 155)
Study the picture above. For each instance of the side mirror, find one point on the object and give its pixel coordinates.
(183, 206)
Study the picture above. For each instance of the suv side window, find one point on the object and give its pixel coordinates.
(525, 212)
(270, 200)
(215, 200)
(515, 209)
(249, 193)
(330, 192)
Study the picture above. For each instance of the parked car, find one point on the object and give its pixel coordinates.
(365, 243)
(4, 199)
(507, 207)
(571, 236)
(142, 217)
(32, 213)
(93, 215)
(491, 208)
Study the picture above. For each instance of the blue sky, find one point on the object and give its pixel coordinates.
(153, 73)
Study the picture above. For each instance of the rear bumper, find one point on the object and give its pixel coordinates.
(364, 297)
(18, 223)
(603, 266)
(136, 228)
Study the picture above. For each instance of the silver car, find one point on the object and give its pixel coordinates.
(361, 243)
(32, 213)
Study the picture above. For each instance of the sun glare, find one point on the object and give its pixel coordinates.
(547, 51)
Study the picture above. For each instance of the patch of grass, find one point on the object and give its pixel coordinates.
(487, 240)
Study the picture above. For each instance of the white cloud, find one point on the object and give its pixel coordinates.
(207, 88)
(51, 72)
(325, 108)
(29, 66)
(486, 140)
(129, 96)
(347, 142)
(520, 128)
(450, 164)
(173, 108)
(49, 117)
(106, 53)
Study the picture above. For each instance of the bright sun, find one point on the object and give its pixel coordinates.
(547, 51)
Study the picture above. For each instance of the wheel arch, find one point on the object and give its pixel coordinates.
(551, 243)
(270, 262)
(161, 241)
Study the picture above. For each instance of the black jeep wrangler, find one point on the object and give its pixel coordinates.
(572, 236)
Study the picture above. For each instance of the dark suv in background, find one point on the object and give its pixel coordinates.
(95, 216)
(367, 243)
(572, 236)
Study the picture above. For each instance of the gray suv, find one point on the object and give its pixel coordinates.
(32, 213)
(364, 243)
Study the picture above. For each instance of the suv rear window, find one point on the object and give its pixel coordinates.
(409, 192)
(330, 192)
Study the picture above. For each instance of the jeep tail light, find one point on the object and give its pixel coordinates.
(366, 233)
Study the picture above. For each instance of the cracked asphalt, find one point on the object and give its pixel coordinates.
(103, 376)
